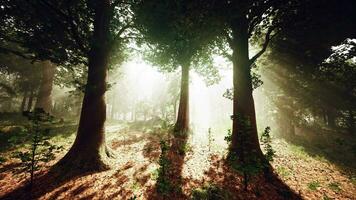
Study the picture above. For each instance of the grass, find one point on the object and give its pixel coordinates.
(283, 171)
(335, 186)
(314, 185)
(299, 151)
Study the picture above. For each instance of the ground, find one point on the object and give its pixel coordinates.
(195, 167)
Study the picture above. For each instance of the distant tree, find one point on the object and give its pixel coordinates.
(22, 77)
(44, 97)
(340, 70)
(176, 39)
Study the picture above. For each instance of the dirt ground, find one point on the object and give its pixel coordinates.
(134, 173)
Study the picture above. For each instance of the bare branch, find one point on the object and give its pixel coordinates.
(268, 38)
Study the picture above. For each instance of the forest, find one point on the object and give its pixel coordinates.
(177, 99)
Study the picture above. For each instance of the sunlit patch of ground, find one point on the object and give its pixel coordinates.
(135, 171)
(313, 177)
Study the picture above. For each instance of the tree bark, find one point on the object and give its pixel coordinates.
(44, 98)
(23, 103)
(245, 143)
(89, 151)
(182, 124)
(351, 122)
(331, 116)
(30, 101)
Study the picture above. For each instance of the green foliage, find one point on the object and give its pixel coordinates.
(184, 148)
(210, 192)
(228, 137)
(266, 142)
(163, 184)
(40, 150)
(176, 35)
(229, 94)
(314, 185)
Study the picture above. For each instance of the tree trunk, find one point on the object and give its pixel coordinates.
(89, 151)
(182, 124)
(44, 98)
(30, 100)
(351, 122)
(331, 116)
(23, 103)
(113, 107)
(245, 143)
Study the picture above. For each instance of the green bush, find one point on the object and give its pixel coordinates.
(163, 184)
(266, 143)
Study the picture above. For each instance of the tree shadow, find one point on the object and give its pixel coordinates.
(169, 184)
(49, 181)
(221, 175)
(54, 184)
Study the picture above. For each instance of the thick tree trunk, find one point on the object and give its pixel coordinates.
(23, 103)
(245, 143)
(89, 151)
(182, 124)
(44, 98)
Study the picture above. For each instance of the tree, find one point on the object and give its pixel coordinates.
(44, 98)
(22, 77)
(71, 33)
(240, 23)
(175, 39)
(297, 58)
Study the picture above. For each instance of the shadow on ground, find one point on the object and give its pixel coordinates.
(230, 184)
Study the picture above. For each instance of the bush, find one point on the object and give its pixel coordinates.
(164, 186)
(266, 143)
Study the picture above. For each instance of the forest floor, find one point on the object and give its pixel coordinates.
(198, 170)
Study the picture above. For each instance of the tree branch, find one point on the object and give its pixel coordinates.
(268, 38)
(121, 31)
(228, 39)
(18, 53)
(75, 33)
